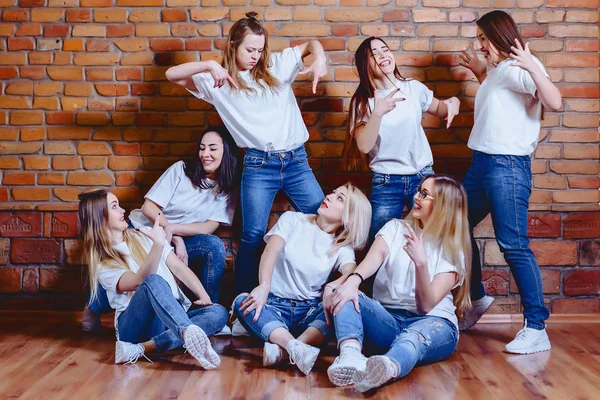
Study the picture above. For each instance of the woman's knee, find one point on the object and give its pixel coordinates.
(237, 303)
(153, 281)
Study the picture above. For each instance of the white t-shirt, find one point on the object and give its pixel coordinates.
(402, 147)
(304, 264)
(183, 203)
(394, 285)
(261, 120)
(109, 277)
(507, 112)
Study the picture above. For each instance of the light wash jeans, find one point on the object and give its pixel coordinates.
(265, 174)
(407, 338)
(153, 313)
(294, 315)
(501, 185)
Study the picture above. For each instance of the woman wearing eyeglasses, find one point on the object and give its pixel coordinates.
(423, 267)
(385, 124)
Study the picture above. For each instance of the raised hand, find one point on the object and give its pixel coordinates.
(256, 300)
(472, 61)
(318, 69)
(220, 75)
(384, 105)
(414, 247)
(522, 57)
(157, 234)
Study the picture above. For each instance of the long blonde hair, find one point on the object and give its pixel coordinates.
(448, 227)
(260, 73)
(355, 221)
(97, 244)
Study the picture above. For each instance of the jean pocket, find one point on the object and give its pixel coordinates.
(379, 180)
(254, 162)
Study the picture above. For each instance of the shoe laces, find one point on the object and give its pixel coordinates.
(140, 349)
(294, 347)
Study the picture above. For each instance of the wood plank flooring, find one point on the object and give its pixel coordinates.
(46, 356)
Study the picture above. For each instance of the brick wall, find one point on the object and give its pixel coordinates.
(84, 102)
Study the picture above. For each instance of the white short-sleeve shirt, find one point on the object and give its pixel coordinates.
(507, 112)
(305, 263)
(402, 147)
(394, 285)
(109, 277)
(263, 120)
(184, 203)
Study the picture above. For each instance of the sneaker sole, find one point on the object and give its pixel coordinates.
(538, 348)
(375, 368)
(341, 376)
(466, 328)
(201, 349)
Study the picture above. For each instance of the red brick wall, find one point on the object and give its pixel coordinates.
(84, 102)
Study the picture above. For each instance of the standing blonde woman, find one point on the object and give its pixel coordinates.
(423, 269)
(252, 92)
(138, 269)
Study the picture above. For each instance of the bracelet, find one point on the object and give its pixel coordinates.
(359, 275)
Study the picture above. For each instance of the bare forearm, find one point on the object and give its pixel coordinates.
(547, 92)
(366, 135)
(185, 275)
(187, 70)
(424, 294)
(151, 211)
(193, 229)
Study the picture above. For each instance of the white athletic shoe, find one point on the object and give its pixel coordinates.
(226, 331)
(129, 353)
(529, 340)
(345, 366)
(273, 355)
(197, 344)
(302, 355)
(237, 329)
(471, 316)
(380, 369)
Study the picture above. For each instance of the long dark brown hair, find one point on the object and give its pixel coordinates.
(501, 30)
(229, 172)
(260, 73)
(359, 104)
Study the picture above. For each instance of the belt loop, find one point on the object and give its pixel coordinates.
(268, 155)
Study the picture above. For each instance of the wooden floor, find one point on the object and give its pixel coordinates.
(45, 356)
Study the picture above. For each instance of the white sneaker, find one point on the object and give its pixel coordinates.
(529, 340)
(91, 321)
(226, 331)
(380, 369)
(237, 329)
(471, 316)
(273, 355)
(345, 366)
(129, 353)
(198, 345)
(302, 355)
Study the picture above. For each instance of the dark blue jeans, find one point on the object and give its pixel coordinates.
(206, 258)
(501, 185)
(389, 195)
(265, 174)
(408, 338)
(153, 313)
(294, 315)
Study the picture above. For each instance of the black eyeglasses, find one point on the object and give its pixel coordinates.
(423, 195)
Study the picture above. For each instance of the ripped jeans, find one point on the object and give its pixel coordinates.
(407, 338)
(294, 315)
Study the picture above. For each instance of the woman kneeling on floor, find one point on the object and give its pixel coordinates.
(302, 250)
(421, 286)
(136, 269)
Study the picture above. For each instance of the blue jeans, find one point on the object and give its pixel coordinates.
(206, 258)
(153, 313)
(389, 195)
(407, 338)
(294, 315)
(501, 185)
(265, 174)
